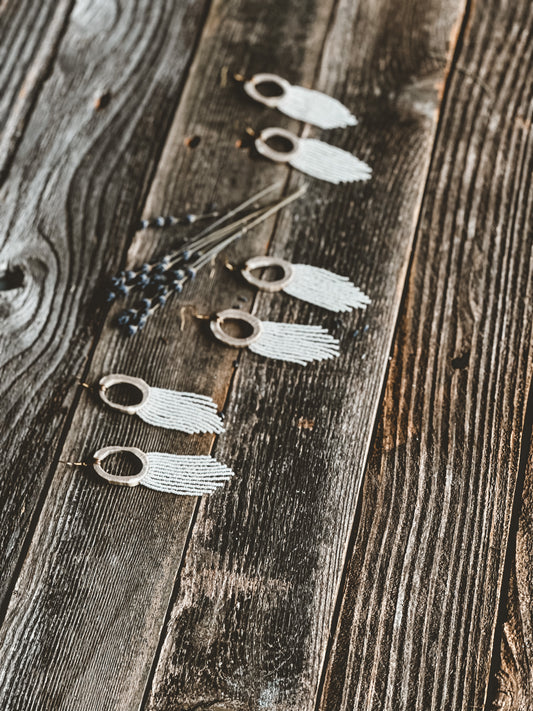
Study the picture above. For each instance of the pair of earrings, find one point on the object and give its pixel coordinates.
(184, 475)
(309, 155)
(296, 343)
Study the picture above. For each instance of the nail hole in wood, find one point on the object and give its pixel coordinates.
(461, 362)
(192, 141)
(102, 101)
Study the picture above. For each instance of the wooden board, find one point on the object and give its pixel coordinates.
(421, 598)
(98, 595)
(30, 33)
(512, 684)
(250, 621)
(67, 212)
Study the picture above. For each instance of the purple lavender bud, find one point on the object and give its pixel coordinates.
(186, 255)
(145, 306)
(130, 275)
(124, 319)
(111, 296)
(145, 268)
(143, 280)
(162, 300)
(158, 268)
(141, 323)
(190, 218)
(158, 279)
(177, 287)
(178, 274)
(122, 290)
(165, 261)
(131, 330)
(191, 272)
(116, 281)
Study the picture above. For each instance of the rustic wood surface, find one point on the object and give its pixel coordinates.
(419, 607)
(67, 210)
(512, 682)
(29, 36)
(294, 586)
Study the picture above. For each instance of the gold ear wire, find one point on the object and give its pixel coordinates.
(73, 464)
(195, 314)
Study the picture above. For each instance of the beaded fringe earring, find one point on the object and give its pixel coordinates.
(300, 103)
(183, 475)
(312, 284)
(295, 343)
(313, 157)
(187, 412)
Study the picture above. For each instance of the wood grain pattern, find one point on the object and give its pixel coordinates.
(66, 213)
(92, 594)
(420, 604)
(83, 623)
(29, 36)
(252, 612)
(512, 684)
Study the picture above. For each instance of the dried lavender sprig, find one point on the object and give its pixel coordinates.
(133, 320)
(151, 276)
(215, 237)
(172, 220)
(129, 280)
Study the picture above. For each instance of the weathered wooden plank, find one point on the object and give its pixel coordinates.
(421, 598)
(512, 685)
(83, 623)
(252, 614)
(66, 213)
(29, 36)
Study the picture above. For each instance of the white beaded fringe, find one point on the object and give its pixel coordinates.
(326, 289)
(326, 162)
(315, 107)
(187, 412)
(295, 343)
(185, 475)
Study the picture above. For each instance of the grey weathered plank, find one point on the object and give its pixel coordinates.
(29, 36)
(513, 683)
(253, 608)
(82, 625)
(421, 598)
(66, 214)
(84, 620)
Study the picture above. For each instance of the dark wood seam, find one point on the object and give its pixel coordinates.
(525, 447)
